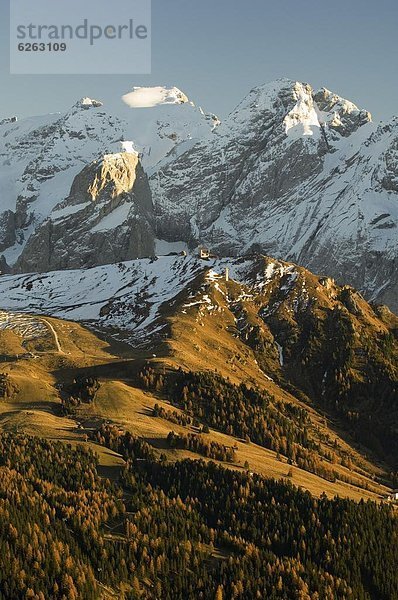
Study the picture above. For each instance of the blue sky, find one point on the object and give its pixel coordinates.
(217, 50)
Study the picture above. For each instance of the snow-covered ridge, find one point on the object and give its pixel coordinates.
(127, 296)
(134, 299)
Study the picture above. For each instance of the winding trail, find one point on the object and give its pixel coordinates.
(55, 334)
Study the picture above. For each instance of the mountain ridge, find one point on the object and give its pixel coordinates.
(309, 195)
(269, 325)
(295, 173)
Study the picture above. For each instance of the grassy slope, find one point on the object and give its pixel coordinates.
(34, 407)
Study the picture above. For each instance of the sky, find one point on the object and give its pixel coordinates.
(217, 50)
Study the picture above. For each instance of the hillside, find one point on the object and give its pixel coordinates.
(169, 427)
(322, 361)
(178, 530)
(35, 400)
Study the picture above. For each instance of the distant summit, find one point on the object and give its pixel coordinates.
(292, 172)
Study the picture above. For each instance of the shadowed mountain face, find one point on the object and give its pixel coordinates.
(299, 174)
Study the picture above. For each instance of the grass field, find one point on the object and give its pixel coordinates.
(34, 405)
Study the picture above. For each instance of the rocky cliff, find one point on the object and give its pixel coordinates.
(107, 217)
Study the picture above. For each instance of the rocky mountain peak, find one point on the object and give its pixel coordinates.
(107, 217)
(299, 110)
(339, 114)
(114, 174)
(292, 172)
(87, 103)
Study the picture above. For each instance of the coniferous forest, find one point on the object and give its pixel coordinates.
(179, 531)
(244, 412)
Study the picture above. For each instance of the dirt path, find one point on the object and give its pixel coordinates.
(55, 334)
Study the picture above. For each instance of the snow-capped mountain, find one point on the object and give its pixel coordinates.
(295, 173)
(162, 122)
(40, 158)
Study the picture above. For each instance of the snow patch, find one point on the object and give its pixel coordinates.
(302, 120)
(23, 325)
(280, 351)
(115, 219)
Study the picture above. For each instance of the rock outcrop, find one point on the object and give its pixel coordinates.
(107, 217)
